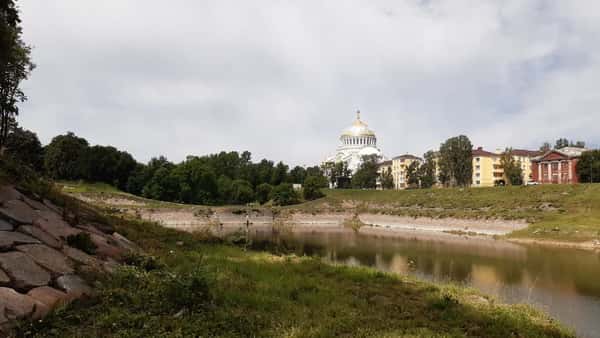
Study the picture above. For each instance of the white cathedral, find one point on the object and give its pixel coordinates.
(355, 143)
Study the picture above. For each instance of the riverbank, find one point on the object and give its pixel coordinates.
(189, 284)
(559, 215)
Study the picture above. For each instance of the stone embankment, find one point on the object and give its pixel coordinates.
(38, 269)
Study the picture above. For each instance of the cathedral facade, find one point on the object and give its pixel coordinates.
(356, 142)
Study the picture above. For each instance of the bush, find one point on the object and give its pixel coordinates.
(312, 188)
(83, 242)
(188, 291)
(145, 262)
(284, 194)
(263, 193)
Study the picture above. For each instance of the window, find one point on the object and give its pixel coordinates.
(478, 175)
(477, 167)
(477, 159)
(478, 182)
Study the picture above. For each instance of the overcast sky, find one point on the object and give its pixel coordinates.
(282, 79)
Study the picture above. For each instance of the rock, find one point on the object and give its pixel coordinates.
(80, 256)
(110, 266)
(90, 229)
(8, 193)
(24, 272)
(5, 226)
(126, 244)
(41, 235)
(3, 319)
(74, 286)
(9, 239)
(52, 206)
(35, 204)
(48, 296)
(57, 228)
(4, 279)
(105, 248)
(48, 258)
(18, 211)
(16, 305)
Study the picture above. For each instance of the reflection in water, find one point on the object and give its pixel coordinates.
(563, 282)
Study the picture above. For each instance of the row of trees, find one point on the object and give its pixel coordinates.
(561, 143)
(223, 178)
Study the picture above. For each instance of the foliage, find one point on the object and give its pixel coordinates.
(513, 173)
(312, 188)
(387, 179)
(564, 142)
(297, 175)
(83, 242)
(545, 147)
(428, 169)
(413, 172)
(588, 167)
(62, 158)
(263, 192)
(25, 147)
(338, 174)
(15, 67)
(456, 161)
(245, 293)
(366, 175)
(284, 194)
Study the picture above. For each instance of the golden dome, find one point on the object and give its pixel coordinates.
(358, 128)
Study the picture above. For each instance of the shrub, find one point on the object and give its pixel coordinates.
(145, 262)
(83, 242)
(312, 188)
(284, 194)
(263, 192)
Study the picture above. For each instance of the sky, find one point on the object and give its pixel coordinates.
(282, 79)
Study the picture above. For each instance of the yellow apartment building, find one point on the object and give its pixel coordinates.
(400, 165)
(487, 171)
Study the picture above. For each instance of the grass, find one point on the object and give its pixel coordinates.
(205, 288)
(555, 212)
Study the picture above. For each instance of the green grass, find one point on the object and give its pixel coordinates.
(204, 288)
(557, 212)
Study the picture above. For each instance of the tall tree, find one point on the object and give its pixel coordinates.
(297, 175)
(561, 143)
(280, 174)
(366, 175)
(428, 170)
(387, 179)
(63, 157)
(413, 174)
(455, 162)
(24, 146)
(15, 66)
(588, 167)
(513, 173)
(545, 147)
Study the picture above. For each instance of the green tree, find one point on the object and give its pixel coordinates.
(366, 175)
(164, 186)
(284, 194)
(263, 192)
(413, 172)
(545, 147)
(588, 167)
(280, 174)
(15, 66)
(137, 179)
(241, 192)
(513, 173)
(63, 156)
(338, 174)
(311, 189)
(25, 147)
(428, 169)
(387, 179)
(297, 175)
(455, 161)
(561, 143)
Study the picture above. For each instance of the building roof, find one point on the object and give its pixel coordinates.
(480, 152)
(526, 153)
(358, 128)
(568, 152)
(407, 157)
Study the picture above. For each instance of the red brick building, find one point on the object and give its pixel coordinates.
(557, 166)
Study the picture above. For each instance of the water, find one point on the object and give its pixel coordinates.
(563, 282)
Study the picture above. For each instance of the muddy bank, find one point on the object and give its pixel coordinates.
(588, 245)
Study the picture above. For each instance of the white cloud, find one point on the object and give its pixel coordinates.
(282, 78)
